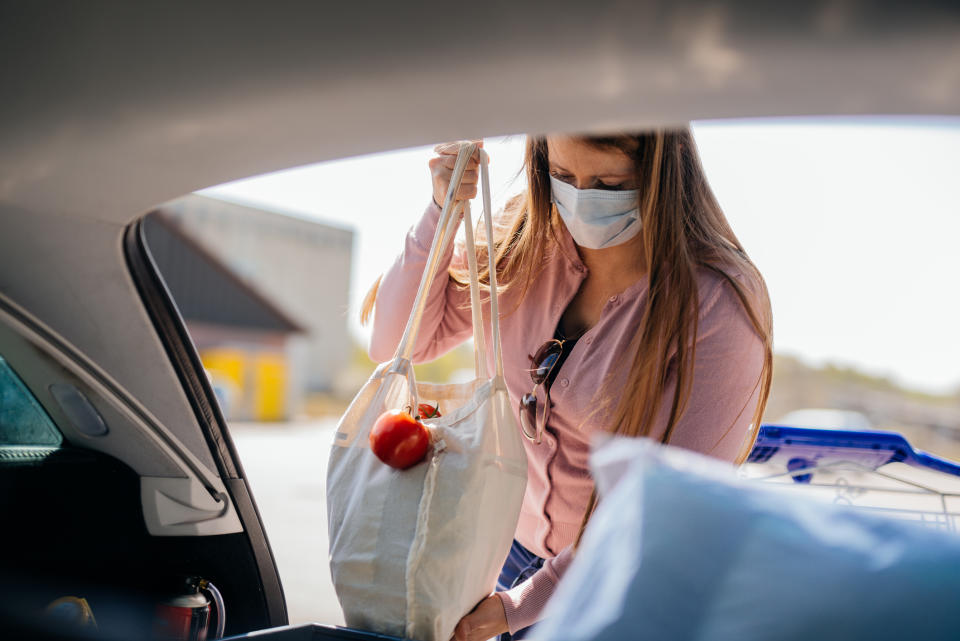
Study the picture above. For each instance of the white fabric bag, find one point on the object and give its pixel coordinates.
(413, 551)
(679, 548)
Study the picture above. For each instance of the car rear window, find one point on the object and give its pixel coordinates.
(22, 419)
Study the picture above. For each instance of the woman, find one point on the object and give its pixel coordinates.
(630, 307)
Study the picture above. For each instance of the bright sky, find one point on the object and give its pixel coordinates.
(854, 224)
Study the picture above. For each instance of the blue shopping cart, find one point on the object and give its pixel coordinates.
(873, 470)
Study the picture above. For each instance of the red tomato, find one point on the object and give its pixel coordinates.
(399, 440)
(425, 410)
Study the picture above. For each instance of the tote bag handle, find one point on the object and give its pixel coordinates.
(445, 233)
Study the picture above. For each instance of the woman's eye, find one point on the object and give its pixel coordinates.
(561, 177)
(615, 187)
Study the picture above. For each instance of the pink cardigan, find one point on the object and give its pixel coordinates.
(729, 359)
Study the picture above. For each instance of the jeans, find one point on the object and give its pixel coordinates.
(520, 565)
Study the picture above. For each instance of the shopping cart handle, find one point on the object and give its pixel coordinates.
(783, 443)
(934, 463)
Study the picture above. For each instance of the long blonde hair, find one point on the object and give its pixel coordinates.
(683, 229)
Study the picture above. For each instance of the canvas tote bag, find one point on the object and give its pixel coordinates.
(413, 551)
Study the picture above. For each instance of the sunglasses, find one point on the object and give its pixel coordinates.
(533, 421)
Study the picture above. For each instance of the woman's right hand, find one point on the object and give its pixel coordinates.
(441, 168)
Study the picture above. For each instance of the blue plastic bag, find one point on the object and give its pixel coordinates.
(680, 548)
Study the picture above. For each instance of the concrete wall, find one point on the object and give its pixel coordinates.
(302, 265)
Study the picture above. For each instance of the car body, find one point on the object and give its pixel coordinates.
(110, 109)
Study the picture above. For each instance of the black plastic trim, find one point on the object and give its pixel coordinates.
(176, 340)
(183, 355)
(262, 553)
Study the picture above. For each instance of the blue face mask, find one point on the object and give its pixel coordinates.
(597, 218)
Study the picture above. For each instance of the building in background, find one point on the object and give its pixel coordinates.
(240, 334)
(300, 268)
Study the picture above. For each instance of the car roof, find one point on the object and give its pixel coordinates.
(110, 108)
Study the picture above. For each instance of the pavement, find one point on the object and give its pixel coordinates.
(286, 466)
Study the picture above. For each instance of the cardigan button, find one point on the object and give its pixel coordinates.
(564, 382)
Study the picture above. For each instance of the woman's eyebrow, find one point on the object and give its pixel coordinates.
(623, 174)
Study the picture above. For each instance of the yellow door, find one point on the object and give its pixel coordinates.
(270, 387)
(228, 364)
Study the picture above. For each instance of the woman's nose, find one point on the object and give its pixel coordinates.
(583, 183)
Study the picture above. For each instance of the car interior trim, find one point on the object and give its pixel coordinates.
(176, 341)
(173, 334)
(84, 369)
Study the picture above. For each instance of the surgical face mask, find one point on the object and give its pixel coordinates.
(597, 218)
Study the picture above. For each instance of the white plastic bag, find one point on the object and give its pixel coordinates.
(680, 548)
(413, 551)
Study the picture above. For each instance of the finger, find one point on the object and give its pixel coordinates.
(448, 148)
(450, 162)
(453, 149)
(475, 156)
(469, 177)
(462, 194)
(467, 192)
(444, 164)
(455, 145)
(442, 183)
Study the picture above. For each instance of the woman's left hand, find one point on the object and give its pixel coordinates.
(486, 621)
